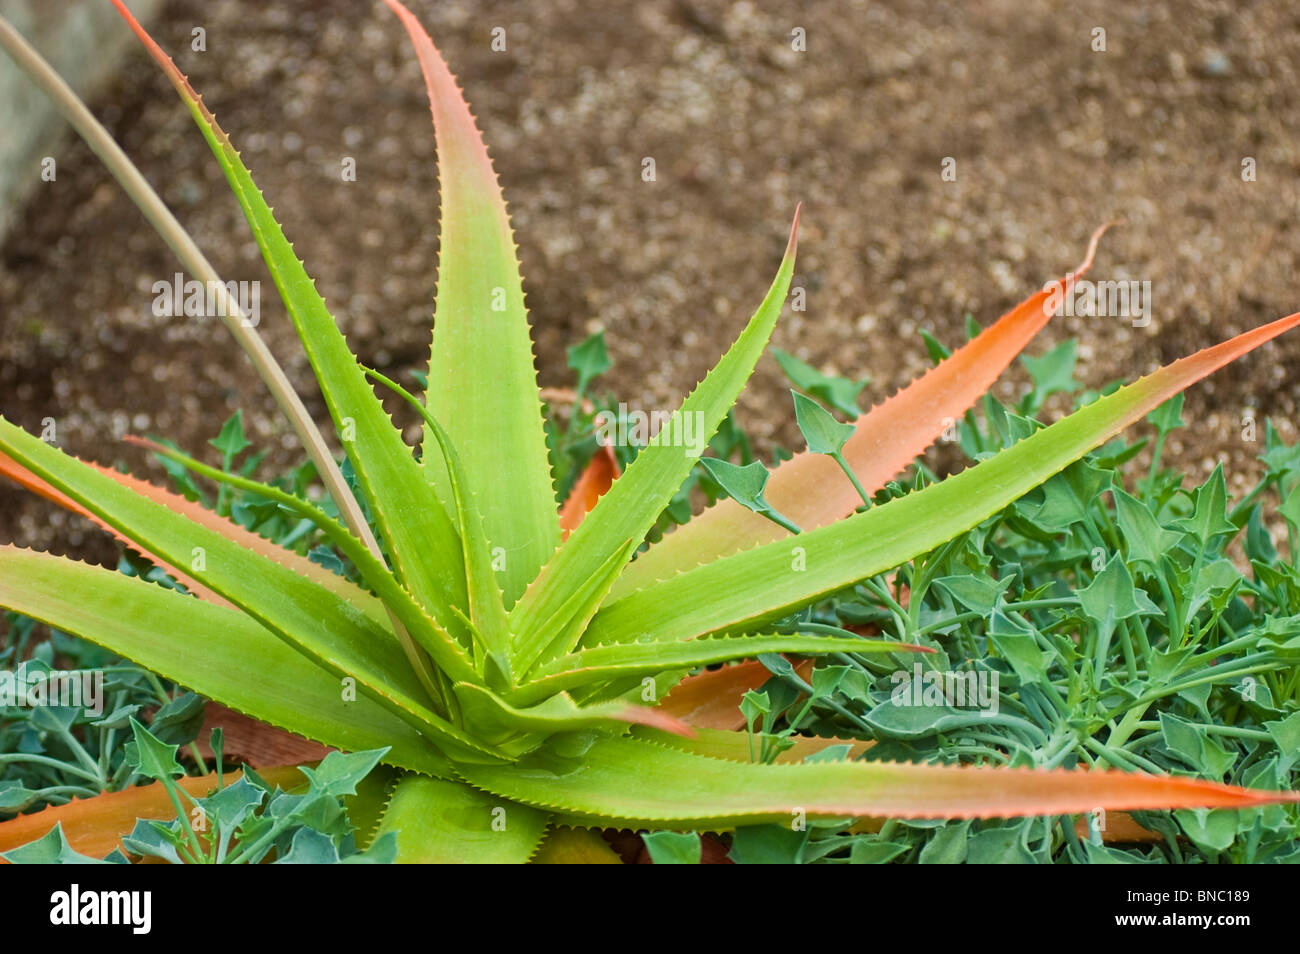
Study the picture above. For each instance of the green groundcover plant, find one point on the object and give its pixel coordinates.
(1118, 617)
(511, 671)
(240, 822)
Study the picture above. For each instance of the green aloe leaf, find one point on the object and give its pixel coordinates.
(487, 612)
(810, 490)
(823, 434)
(439, 644)
(568, 621)
(494, 419)
(639, 659)
(419, 534)
(216, 651)
(630, 507)
(445, 822)
(313, 620)
(776, 578)
(500, 723)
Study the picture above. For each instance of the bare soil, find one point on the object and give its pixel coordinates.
(1050, 139)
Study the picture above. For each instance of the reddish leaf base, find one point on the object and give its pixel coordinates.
(256, 743)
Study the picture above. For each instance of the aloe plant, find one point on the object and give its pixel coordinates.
(509, 670)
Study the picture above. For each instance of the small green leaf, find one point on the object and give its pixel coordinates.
(976, 593)
(754, 704)
(14, 797)
(937, 350)
(1192, 745)
(1259, 545)
(339, 772)
(1146, 539)
(178, 720)
(1290, 506)
(119, 718)
(743, 484)
(1053, 372)
(51, 849)
(947, 846)
(1286, 735)
(673, 848)
(1210, 518)
(589, 359)
(1212, 831)
(310, 847)
(832, 753)
(866, 852)
(151, 757)
(1112, 596)
(154, 839)
(839, 393)
(768, 845)
(382, 851)
(229, 807)
(1168, 416)
(1108, 599)
(824, 434)
(998, 846)
(231, 441)
(1019, 646)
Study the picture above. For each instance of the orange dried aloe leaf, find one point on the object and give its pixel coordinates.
(711, 699)
(255, 743)
(596, 478)
(95, 826)
(811, 489)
